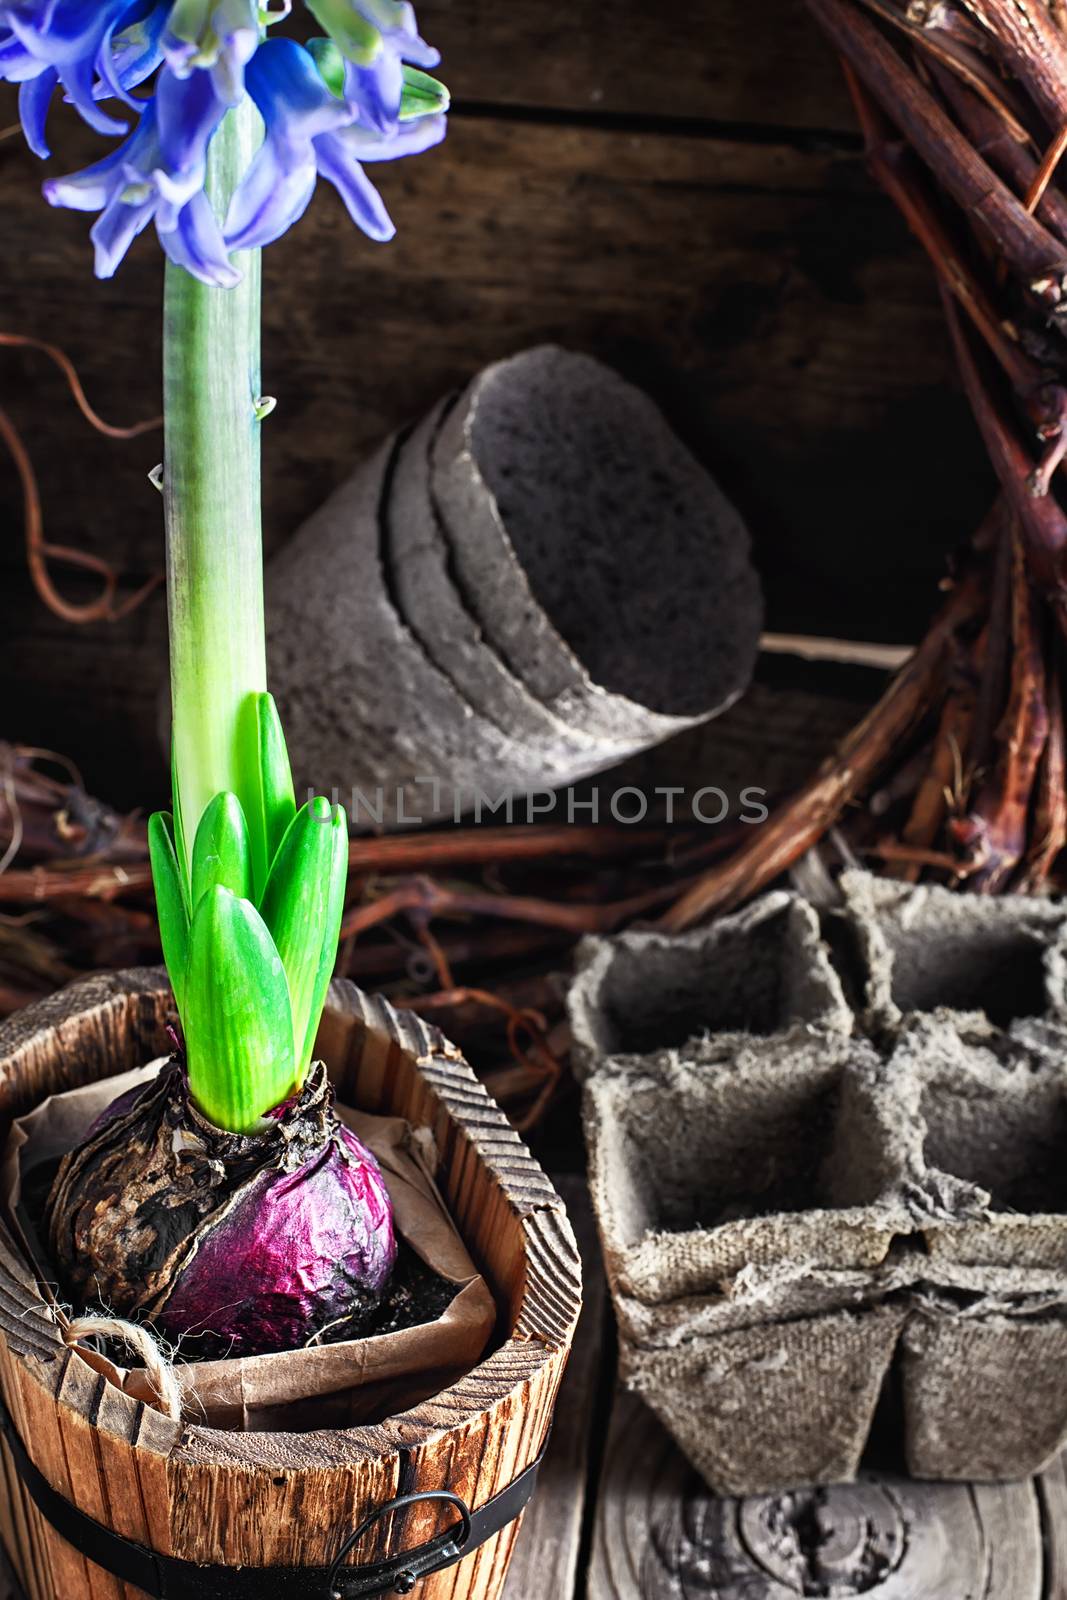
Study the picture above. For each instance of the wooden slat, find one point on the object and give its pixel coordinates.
(723, 62)
(660, 1533)
(546, 1552)
(1052, 1499)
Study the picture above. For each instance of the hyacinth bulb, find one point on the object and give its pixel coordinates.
(224, 1202)
(226, 1244)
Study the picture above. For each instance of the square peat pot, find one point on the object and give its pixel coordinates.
(763, 975)
(984, 1348)
(796, 1202)
(968, 997)
(214, 1513)
(928, 950)
(743, 1204)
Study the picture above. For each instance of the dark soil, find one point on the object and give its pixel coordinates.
(416, 1294)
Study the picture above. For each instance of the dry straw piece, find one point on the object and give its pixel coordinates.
(799, 1195)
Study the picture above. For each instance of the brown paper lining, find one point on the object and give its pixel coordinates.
(326, 1386)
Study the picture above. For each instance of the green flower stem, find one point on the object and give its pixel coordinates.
(211, 487)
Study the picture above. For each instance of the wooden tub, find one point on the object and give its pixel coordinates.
(281, 1500)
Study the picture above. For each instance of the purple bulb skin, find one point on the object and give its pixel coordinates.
(298, 1251)
(227, 1244)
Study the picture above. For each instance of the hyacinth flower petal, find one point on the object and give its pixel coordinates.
(35, 99)
(295, 105)
(269, 200)
(337, 163)
(340, 157)
(93, 187)
(79, 81)
(376, 91)
(16, 63)
(133, 51)
(196, 244)
(294, 102)
(115, 230)
(70, 35)
(137, 49)
(188, 112)
(216, 36)
(411, 139)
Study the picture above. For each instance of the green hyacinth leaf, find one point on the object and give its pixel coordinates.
(266, 783)
(221, 854)
(331, 64)
(238, 1021)
(351, 33)
(172, 907)
(335, 905)
(179, 831)
(422, 96)
(302, 908)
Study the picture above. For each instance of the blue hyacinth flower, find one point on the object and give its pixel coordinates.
(157, 175)
(360, 94)
(310, 131)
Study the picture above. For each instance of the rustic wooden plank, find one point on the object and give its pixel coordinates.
(10, 1588)
(545, 1561)
(765, 294)
(772, 739)
(729, 61)
(660, 1533)
(1052, 1500)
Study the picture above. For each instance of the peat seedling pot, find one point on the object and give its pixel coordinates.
(218, 1514)
(797, 1201)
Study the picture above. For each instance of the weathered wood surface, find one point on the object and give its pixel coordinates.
(772, 739)
(661, 1535)
(698, 235)
(546, 1558)
(728, 61)
(263, 1499)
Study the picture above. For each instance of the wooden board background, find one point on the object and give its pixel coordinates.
(682, 195)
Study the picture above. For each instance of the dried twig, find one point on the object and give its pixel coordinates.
(39, 550)
(995, 829)
(1017, 236)
(1049, 831)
